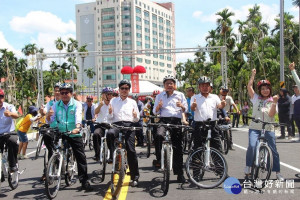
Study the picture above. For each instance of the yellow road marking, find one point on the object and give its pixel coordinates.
(124, 189)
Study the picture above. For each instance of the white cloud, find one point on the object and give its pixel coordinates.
(39, 21)
(5, 45)
(269, 13)
(183, 57)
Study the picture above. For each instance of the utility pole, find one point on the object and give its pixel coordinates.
(281, 44)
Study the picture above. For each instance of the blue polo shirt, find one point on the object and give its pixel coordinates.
(7, 124)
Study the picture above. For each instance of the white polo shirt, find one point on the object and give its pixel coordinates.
(206, 107)
(103, 114)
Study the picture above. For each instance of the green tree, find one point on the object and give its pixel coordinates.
(90, 74)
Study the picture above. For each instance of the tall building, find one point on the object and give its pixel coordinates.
(115, 25)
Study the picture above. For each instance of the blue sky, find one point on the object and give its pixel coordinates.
(42, 21)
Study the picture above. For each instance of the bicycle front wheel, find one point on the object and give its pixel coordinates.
(104, 156)
(38, 147)
(149, 141)
(117, 176)
(263, 170)
(209, 174)
(13, 179)
(166, 171)
(53, 179)
(70, 168)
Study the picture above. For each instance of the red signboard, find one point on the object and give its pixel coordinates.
(135, 83)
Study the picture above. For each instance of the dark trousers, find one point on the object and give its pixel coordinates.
(176, 139)
(200, 135)
(286, 120)
(245, 119)
(293, 125)
(49, 143)
(297, 120)
(129, 136)
(139, 133)
(236, 120)
(77, 146)
(12, 146)
(98, 133)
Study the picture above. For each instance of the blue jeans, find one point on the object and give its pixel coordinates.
(253, 141)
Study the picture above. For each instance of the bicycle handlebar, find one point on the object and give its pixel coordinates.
(168, 125)
(151, 116)
(258, 120)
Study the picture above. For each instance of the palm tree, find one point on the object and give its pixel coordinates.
(72, 46)
(30, 49)
(90, 74)
(224, 23)
(60, 45)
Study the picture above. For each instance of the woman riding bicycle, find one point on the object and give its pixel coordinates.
(264, 107)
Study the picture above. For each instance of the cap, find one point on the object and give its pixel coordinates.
(32, 109)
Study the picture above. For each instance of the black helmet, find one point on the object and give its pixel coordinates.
(169, 77)
(224, 88)
(58, 84)
(66, 86)
(204, 79)
(125, 82)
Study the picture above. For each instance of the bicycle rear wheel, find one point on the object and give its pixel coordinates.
(70, 168)
(117, 176)
(206, 176)
(265, 164)
(166, 171)
(53, 181)
(149, 141)
(39, 146)
(104, 156)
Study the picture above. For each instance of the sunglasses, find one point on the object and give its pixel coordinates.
(1, 96)
(64, 93)
(124, 88)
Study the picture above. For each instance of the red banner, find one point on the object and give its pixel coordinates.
(135, 83)
(20, 110)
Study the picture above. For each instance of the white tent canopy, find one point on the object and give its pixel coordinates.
(146, 88)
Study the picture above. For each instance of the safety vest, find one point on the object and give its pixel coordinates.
(66, 118)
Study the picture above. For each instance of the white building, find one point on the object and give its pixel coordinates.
(109, 25)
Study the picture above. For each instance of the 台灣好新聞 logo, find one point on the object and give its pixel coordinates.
(232, 185)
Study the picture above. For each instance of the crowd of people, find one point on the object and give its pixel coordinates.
(173, 107)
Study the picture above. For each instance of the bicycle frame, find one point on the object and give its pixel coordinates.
(262, 142)
(120, 147)
(103, 139)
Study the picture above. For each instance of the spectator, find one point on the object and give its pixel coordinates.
(296, 107)
(190, 92)
(139, 133)
(284, 103)
(245, 110)
(236, 113)
(23, 129)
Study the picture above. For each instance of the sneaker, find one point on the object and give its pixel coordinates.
(247, 170)
(290, 137)
(181, 179)
(109, 161)
(232, 149)
(19, 156)
(134, 183)
(87, 186)
(96, 158)
(281, 137)
(24, 157)
(280, 177)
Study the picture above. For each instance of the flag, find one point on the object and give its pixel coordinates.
(20, 110)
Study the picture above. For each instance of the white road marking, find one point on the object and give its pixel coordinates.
(282, 163)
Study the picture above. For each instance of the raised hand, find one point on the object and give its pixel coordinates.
(194, 104)
(160, 104)
(292, 66)
(134, 113)
(223, 103)
(6, 112)
(275, 99)
(51, 112)
(110, 109)
(253, 72)
(179, 104)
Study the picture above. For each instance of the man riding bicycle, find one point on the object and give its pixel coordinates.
(68, 114)
(102, 112)
(170, 104)
(205, 106)
(123, 111)
(7, 114)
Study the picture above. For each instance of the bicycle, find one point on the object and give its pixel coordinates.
(224, 130)
(12, 177)
(206, 167)
(87, 135)
(41, 131)
(263, 160)
(187, 140)
(119, 166)
(104, 151)
(167, 155)
(62, 162)
(149, 135)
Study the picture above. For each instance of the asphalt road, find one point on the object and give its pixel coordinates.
(30, 186)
